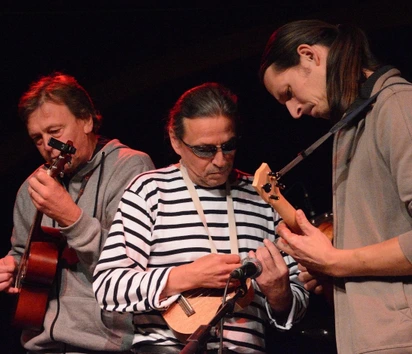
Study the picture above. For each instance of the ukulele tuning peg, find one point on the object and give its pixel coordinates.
(274, 197)
(267, 187)
(280, 186)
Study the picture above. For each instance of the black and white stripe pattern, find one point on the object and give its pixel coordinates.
(157, 227)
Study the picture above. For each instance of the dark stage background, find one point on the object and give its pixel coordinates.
(136, 59)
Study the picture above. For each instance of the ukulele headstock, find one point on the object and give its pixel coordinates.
(267, 184)
(66, 151)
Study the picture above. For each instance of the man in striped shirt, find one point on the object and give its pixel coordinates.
(180, 233)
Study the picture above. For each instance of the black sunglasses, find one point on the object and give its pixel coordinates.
(211, 150)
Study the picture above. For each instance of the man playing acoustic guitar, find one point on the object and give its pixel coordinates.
(79, 205)
(182, 230)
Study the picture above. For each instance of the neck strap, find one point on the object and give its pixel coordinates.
(358, 106)
(230, 212)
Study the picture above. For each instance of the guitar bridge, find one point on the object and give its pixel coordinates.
(185, 305)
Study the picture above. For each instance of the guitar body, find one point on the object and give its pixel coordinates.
(36, 275)
(205, 304)
(324, 223)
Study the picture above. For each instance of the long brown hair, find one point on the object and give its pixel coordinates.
(349, 54)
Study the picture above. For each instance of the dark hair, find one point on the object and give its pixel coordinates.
(207, 100)
(61, 89)
(349, 54)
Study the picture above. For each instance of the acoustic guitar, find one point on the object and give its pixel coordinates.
(198, 307)
(266, 183)
(38, 265)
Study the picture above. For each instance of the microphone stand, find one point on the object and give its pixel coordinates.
(198, 339)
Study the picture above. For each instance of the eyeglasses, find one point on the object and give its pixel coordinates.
(211, 150)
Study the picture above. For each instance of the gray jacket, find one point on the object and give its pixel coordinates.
(73, 318)
(372, 185)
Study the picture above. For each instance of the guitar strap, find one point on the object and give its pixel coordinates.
(230, 211)
(361, 103)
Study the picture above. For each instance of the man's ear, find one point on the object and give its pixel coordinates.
(309, 53)
(88, 125)
(175, 142)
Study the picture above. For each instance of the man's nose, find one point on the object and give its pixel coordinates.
(219, 159)
(46, 145)
(294, 108)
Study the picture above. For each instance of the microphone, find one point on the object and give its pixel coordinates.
(251, 268)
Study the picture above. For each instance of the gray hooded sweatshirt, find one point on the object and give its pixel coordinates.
(372, 185)
(74, 322)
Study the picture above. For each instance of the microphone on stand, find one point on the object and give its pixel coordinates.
(251, 268)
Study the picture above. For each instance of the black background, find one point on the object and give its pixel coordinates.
(135, 59)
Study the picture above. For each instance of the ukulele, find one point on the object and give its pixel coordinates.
(198, 307)
(266, 183)
(38, 265)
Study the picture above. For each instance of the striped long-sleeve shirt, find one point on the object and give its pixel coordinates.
(157, 227)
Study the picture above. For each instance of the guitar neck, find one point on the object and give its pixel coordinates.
(286, 212)
(38, 216)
